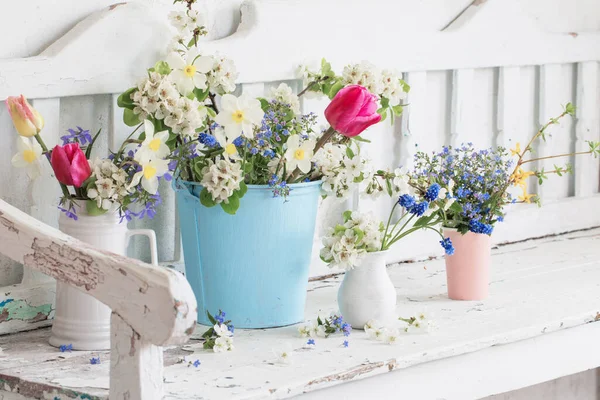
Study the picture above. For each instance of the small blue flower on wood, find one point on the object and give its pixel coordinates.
(65, 347)
(196, 363)
(345, 344)
(95, 360)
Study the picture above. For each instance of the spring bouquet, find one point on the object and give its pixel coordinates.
(480, 181)
(233, 153)
(99, 185)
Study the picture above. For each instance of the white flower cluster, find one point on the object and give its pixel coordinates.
(346, 245)
(221, 178)
(110, 187)
(157, 96)
(421, 323)
(340, 172)
(399, 181)
(375, 331)
(314, 330)
(224, 342)
(382, 83)
(284, 94)
(187, 22)
(221, 79)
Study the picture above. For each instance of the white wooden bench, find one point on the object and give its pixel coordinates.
(479, 79)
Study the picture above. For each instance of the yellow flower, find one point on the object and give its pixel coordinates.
(516, 151)
(519, 177)
(526, 198)
(26, 119)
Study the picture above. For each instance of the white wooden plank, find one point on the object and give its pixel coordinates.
(543, 295)
(72, 66)
(555, 92)
(432, 50)
(136, 366)
(414, 117)
(156, 302)
(587, 128)
(462, 105)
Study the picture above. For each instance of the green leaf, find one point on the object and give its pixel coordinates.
(405, 86)
(326, 68)
(360, 139)
(456, 208)
(232, 205)
(335, 89)
(349, 152)
(359, 235)
(88, 151)
(347, 215)
(206, 198)
(211, 318)
(162, 67)
(242, 190)
(264, 103)
(339, 229)
(570, 109)
(200, 94)
(397, 109)
(388, 185)
(385, 102)
(92, 208)
(130, 118)
(211, 113)
(124, 99)
(383, 113)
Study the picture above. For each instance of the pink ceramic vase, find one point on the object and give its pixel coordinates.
(468, 269)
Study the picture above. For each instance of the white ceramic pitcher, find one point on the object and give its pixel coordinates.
(80, 320)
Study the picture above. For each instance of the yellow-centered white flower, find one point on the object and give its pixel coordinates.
(28, 156)
(154, 145)
(299, 155)
(229, 149)
(189, 71)
(151, 171)
(239, 115)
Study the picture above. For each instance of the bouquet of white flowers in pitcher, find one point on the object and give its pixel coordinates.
(225, 142)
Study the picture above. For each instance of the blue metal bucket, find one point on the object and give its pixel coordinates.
(253, 265)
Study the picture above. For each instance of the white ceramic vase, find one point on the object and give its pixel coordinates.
(80, 320)
(367, 293)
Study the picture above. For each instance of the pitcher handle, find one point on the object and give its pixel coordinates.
(151, 235)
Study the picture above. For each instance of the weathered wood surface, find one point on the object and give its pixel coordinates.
(151, 306)
(543, 291)
(156, 302)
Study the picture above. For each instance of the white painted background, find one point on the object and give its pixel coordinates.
(492, 96)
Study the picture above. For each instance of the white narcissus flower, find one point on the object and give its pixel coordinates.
(239, 115)
(151, 171)
(189, 72)
(230, 151)
(299, 155)
(28, 157)
(154, 145)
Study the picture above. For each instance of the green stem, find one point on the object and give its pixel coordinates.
(41, 142)
(556, 156)
(387, 227)
(394, 228)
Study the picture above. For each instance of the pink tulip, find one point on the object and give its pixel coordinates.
(70, 165)
(26, 119)
(352, 110)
